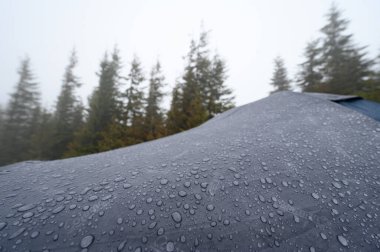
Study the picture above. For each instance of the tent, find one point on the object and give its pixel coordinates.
(291, 172)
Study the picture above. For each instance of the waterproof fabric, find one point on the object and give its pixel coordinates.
(368, 108)
(290, 172)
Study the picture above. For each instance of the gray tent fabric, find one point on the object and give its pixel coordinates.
(291, 172)
(368, 108)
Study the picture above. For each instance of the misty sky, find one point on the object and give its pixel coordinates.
(247, 34)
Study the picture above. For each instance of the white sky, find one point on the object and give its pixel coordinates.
(247, 34)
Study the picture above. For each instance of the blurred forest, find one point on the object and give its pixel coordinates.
(127, 110)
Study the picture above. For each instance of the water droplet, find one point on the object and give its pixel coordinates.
(152, 225)
(27, 215)
(204, 185)
(34, 234)
(121, 246)
(160, 231)
(182, 193)
(26, 208)
(176, 216)
(342, 240)
(2, 225)
(87, 241)
(210, 207)
(58, 209)
(164, 181)
(197, 196)
(92, 198)
(315, 196)
(126, 186)
(17, 233)
(170, 246)
(323, 236)
(85, 190)
(336, 184)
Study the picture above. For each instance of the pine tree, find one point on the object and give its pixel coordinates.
(67, 116)
(344, 65)
(175, 116)
(219, 98)
(20, 117)
(134, 109)
(42, 135)
(371, 87)
(154, 116)
(203, 90)
(2, 118)
(280, 79)
(104, 108)
(194, 86)
(310, 76)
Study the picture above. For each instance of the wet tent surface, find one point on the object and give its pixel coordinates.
(289, 172)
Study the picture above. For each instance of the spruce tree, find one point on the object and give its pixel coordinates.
(42, 139)
(194, 82)
(310, 77)
(154, 116)
(20, 117)
(280, 80)
(104, 108)
(219, 98)
(134, 109)
(175, 116)
(344, 65)
(67, 116)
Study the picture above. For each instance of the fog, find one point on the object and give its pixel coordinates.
(247, 34)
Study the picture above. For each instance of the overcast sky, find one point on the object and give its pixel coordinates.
(247, 34)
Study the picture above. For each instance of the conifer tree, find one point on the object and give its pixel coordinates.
(194, 82)
(219, 98)
(20, 117)
(154, 116)
(280, 80)
(104, 108)
(310, 76)
(42, 135)
(175, 116)
(67, 116)
(134, 109)
(344, 65)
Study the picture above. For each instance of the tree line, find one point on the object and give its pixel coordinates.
(121, 111)
(333, 63)
(126, 110)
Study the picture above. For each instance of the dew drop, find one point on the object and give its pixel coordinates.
(58, 209)
(126, 186)
(170, 247)
(182, 193)
(164, 181)
(34, 234)
(87, 241)
(315, 196)
(342, 240)
(2, 225)
(176, 216)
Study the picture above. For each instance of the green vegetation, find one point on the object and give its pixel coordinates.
(127, 110)
(119, 112)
